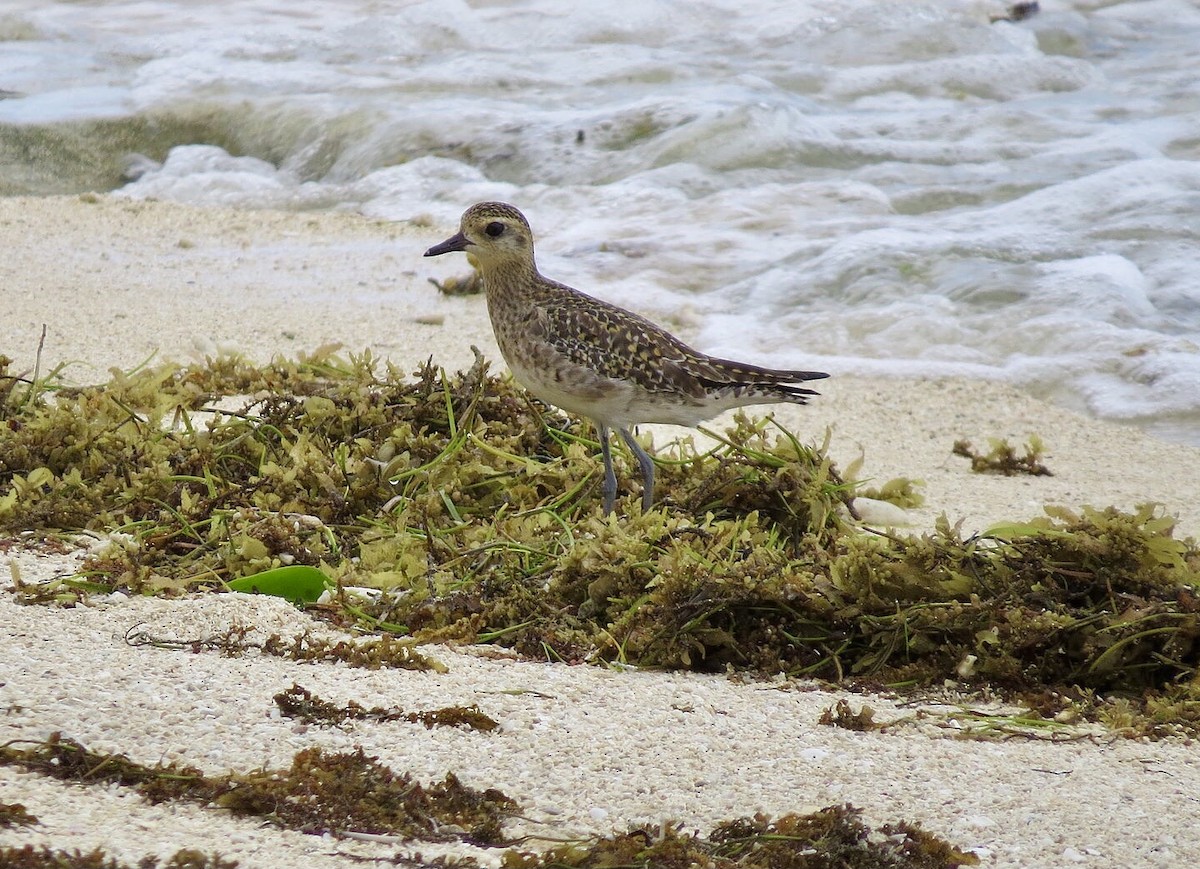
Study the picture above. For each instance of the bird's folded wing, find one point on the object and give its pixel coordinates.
(616, 344)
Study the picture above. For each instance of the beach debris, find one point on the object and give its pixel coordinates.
(351, 795)
(464, 285)
(1002, 457)
(841, 715)
(830, 838)
(300, 703)
(474, 514)
(45, 857)
(321, 793)
(15, 815)
(372, 653)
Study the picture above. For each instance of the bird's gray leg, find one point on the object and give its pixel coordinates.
(647, 464)
(609, 487)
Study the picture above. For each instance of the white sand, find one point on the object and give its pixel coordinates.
(116, 281)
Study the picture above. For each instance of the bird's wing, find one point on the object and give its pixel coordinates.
(621, 345)
(728, 372)
(616, 343)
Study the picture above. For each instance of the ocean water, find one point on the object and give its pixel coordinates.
(888, 188)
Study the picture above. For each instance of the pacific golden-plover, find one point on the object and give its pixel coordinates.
(598, 360)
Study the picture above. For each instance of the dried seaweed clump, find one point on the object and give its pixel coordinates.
(376, 653)
(15, 815)
(473, 513)
(1098, 599)
(322, 453)
(322, 792)
(326, 792)
(29, 857)
(298, 702)
(1002, 458)
(841, 715)
(832, 838)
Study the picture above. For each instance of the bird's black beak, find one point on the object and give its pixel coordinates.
(450, 245)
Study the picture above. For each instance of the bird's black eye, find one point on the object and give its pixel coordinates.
(494, 229)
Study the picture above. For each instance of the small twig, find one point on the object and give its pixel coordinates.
(37, 368)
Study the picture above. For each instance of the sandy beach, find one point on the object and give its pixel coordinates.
(117, 282)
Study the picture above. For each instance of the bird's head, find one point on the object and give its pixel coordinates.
(494, 234)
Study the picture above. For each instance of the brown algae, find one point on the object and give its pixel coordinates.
(473, 512)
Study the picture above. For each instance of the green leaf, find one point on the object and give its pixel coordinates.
(297, 583)
(1011, 530)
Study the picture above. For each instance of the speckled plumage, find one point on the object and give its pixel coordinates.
(596, 359)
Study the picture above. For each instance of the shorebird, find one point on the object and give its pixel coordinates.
(595, 359)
